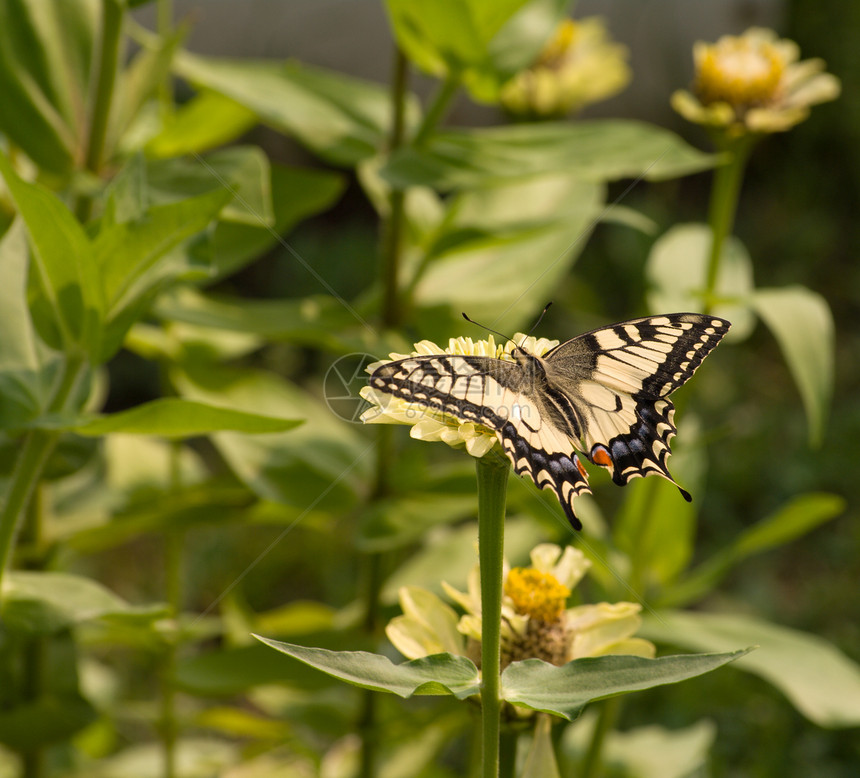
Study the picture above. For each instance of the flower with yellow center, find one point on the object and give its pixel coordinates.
(753, 83)
(535, 622)
(578, 66)
(430, 423)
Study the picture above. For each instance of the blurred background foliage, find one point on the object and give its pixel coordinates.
(181, 542)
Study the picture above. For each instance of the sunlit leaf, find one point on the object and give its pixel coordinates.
(27, 367)
(70, 306)
(46, 602)
(818, 679)
(207, 121)
(172, 417)
(342, 119)
(677, 270)
(596, 150)
(802, 324)
(46, 56)
(565, 690)
(437, 674)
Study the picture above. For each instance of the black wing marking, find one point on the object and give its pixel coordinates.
(620, 377)
(485, 391)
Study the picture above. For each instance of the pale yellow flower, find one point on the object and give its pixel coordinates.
(432, 424)
(579, 65)
(754, 83)
(535, 622)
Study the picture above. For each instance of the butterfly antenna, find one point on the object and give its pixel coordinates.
(540, 318)
(488, 329)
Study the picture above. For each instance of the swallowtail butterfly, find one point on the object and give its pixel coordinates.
(604, 394)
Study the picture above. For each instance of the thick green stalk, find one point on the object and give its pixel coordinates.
(722, 209)
(164, 23)
(492, 474)
(34, 453)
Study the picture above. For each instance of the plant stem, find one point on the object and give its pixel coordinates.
(606, 719)
(35, 450)
(106, 70)
(437, 109)
(392, 228)
(492, 473)
(722, 209)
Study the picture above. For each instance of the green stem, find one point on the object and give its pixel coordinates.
(492, 474)
(392, 229)
(34, 453)
(437, 109)
(606, 719)
(106, 68)
(722, 209)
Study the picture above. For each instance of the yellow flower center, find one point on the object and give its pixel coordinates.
(740, 72)
(536, 594)
(556, 50)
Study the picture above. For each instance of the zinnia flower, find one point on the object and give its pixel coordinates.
(753, 83)
(579, 65)
(432, 424)
(535, 622)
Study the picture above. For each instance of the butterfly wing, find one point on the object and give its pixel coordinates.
(498, 395)
(617, 380)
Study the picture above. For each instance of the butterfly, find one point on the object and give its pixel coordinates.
(603, 394)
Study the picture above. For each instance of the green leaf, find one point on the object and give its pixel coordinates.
(322, 465)
(46, 54)
(243, 170)
(493, 233)
(435, 675)
(235, 670)
(46, 602)
(172, 417)
(207, 121)
(296, 194)
(818, 679)
(566, 690)
(481, 43)
(597, 150)
(27, 367)
(677, 268)
(801, 514)
(312, 320)
(802, 324)
(342, 119)
(70, 305)
(137, 258)
(448, 36)
(47, 720)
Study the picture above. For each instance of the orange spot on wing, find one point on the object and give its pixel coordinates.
(600, 456)
(582, 471)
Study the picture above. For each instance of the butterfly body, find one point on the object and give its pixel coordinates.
(603, 393)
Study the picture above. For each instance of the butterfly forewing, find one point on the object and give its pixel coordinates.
(603, 392)
(623, 375)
